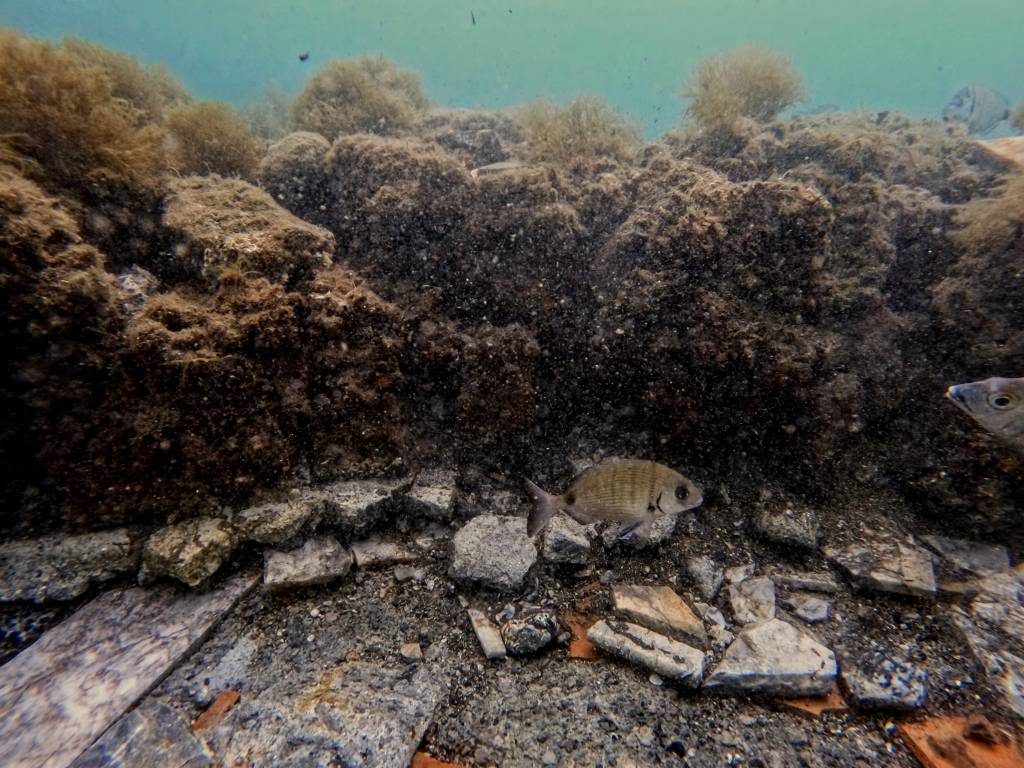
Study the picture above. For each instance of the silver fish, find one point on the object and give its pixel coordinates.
(980, 108)
(631, 492)
(997, 404)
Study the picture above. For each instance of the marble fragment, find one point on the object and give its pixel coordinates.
(487, 634)
(774, 658)
(672, 660)
(152, 734)
(318, 561)
(659, 609)
(971, 556)
(374, 553)
(59, 694)
(752, 600)
(887, 567)
(565, 541)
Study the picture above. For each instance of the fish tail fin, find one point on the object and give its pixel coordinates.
(543, 509)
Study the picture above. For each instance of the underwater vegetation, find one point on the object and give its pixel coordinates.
(212, 137)
(152, 89)
(370, 94)
(64, 117)
(269, 118)
(585, 128)
(751, 82)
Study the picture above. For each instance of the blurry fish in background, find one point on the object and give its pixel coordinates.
(980, 108)
(818, 109)
(472, 17)
(997, 404)
(631, 492)
(304, 55)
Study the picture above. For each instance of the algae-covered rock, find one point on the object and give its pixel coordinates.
(190, 552)
(218, 223)
(370, 94)
(293, 171)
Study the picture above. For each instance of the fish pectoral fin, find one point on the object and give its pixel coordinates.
(640, 529)
(579, 517)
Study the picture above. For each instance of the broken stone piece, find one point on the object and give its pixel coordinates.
(877, 682)
(813, 610)
(374, 553)
(705, 575)
(638, 645)
(492, 551)
(151, 734)
(807, 582)
(318, 561)
(355, 507)
(971, 556)
(64, 567)
(774, 659)
(529, 633)
(275, 522)
(411, 652)
(432, 496)
(888, 567)
(191, 551)
(488, 635)
(565, 541)
(738, 573)
(660, 609)
(790, 525)
(752, 600)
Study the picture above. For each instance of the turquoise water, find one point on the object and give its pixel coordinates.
(910, 55)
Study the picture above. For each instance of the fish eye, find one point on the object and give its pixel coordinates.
(682, 492)
(1001, 401)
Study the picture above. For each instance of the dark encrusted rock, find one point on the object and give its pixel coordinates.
(875, 681)
(790, 524)
(529, 633)
(293, 171)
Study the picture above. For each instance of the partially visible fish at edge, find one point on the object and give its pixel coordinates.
(980, 108)
(997, 404)
(631, 492)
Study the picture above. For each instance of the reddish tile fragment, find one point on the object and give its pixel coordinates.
(215, 712)
(815, 706)
(959, 742)
(427, 760)
(580, 647)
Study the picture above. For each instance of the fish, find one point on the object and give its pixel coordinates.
(997, 404)
(472, 17)
(304, 55)
(631, 492)
(980, 108)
